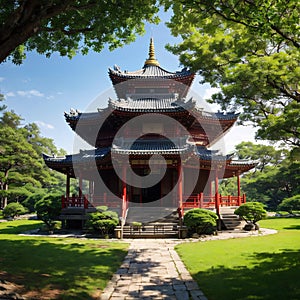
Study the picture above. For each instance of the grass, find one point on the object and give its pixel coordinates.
(266, 267)
(56, 268)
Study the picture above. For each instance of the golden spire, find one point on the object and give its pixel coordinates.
(151, 60)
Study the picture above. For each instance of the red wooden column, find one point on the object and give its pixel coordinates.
(180, 190)
(124, 191)
(239, 188)
(217, 198)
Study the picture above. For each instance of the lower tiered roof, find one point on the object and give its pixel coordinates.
(145, 149)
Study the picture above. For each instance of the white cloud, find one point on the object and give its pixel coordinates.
(44, 125)
(30, 93)
(10, 94)
(209, 92)
(1, 79)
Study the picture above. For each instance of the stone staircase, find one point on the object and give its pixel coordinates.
(230, 221)
(157, 222)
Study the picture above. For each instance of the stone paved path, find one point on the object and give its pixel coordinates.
(152, 270)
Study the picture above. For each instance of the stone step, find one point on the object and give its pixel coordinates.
(146, 214)
(150, 231)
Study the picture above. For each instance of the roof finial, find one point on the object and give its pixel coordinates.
(151, 60)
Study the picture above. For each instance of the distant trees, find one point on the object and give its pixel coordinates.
(276, 177)
(70, 26)
(22, 170)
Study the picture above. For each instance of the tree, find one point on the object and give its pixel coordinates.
(22, 170)
(70, 26)
(265, 155)
(275, 178)
(251, 212)
(48, 209)
(291, 204)
(16, 154)
(250, 50)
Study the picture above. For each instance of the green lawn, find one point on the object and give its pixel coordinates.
(266, 267)
(57, 268)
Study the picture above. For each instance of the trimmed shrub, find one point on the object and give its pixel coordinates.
(48, 209)
(200, 221)
(13, 209)
(103, 221)
(290, 204)
(251, 212)
(30, 201)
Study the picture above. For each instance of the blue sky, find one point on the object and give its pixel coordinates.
(41, 89)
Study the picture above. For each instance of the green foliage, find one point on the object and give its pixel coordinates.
(22, 170)
(103, 221)
(14, 209)
(30, 201)
(201, 221)
(70, 27)
(275, 177)
(250, 51)
(48, 209)
(291, 204)
(251, 212)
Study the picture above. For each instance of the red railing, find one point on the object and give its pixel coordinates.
(83, 202)
(201, 201)
(74, 201)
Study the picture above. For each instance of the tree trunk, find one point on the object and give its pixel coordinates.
(24, 22)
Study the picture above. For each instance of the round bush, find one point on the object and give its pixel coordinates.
(13, 209)
(103, 221)
(251, 212)
(200, 221)
(290, 204)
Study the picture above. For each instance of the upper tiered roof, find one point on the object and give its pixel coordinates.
(153, 74)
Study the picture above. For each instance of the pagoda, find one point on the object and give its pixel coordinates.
(150, 150)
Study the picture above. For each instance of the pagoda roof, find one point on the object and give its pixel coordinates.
(151, 147)
(82, 156)
(206, 154)
(151, 69)
(152, 104)
(146, 147)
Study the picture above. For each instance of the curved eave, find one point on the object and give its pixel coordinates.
(149, 72)
(89, 156)
(150, 152)
(150, 105)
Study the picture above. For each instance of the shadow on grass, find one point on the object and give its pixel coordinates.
(272, 276)
(292, 227)
(75, 270)
(13, 229)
